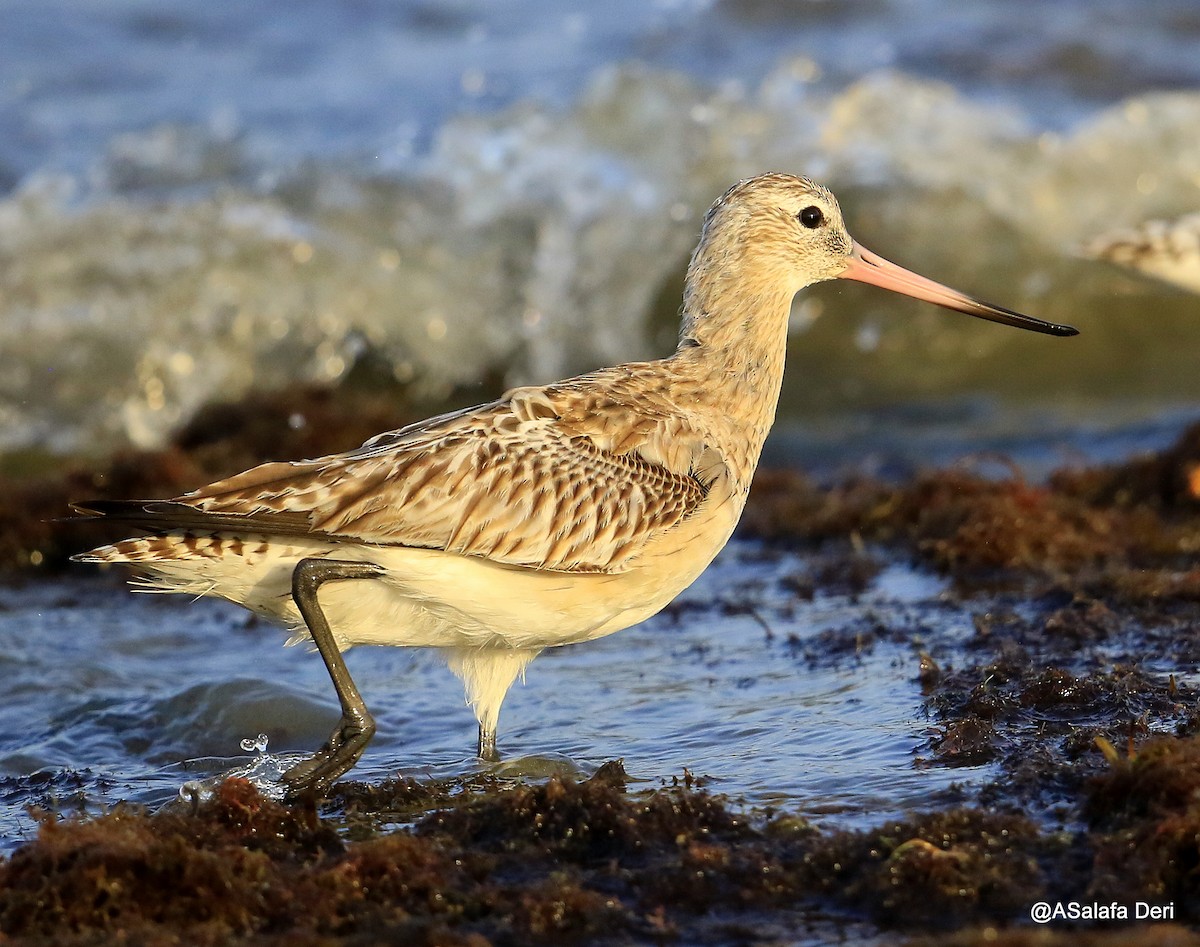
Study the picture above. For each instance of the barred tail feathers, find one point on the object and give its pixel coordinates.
(251, 570)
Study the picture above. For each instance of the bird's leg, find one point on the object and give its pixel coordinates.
(354, 731)
(487, 745)
(487, 673)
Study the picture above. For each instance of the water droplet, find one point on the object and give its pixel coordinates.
(194, 792)
(257, 745)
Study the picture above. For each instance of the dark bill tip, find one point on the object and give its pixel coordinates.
(868, 267)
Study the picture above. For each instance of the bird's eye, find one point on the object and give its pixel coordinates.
(811, 217)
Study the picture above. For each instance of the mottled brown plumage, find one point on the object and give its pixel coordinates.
(494, 482)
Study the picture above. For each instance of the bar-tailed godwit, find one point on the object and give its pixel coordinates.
(1166, 250)
(554, 515)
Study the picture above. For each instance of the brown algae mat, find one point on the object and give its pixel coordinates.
(586, 862)
(1072, 680)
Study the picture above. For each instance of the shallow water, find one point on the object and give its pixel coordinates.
(120, 696)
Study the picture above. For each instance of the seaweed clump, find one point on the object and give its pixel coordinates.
(1125, 533)
(562, 860)
(82, 881)
(559, 862)
(1145, 812)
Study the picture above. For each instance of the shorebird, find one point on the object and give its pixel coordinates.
(554, 515)
(1166, 250)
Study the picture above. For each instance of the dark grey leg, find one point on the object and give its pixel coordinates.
(354, 731)
(487, 746)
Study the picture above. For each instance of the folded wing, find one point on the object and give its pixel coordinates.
(511, 482)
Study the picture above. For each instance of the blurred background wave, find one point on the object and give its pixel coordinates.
(197, 200)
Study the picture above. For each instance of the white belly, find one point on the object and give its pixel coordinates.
(429, 598)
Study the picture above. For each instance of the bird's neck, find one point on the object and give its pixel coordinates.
(733, 341)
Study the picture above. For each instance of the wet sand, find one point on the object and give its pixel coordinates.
(1074, 677)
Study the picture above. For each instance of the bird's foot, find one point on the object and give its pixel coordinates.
(314, 776)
